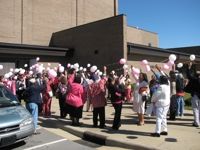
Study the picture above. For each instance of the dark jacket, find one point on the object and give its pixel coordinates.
(117, 92)
(34, 93)
(193, 87)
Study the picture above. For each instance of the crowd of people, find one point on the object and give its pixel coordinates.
(74, 88)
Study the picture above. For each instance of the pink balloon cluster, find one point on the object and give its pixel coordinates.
(135, 72)
(170, 63)
(145, 63)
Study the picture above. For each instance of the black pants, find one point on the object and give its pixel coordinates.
(172, 108)
(117, 118)
(101, 113)
(63, 112)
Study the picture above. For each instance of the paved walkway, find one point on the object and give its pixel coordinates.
(181, 134)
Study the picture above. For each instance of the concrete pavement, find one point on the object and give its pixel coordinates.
(181, 133)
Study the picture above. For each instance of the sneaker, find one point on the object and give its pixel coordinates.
(155, 134)
(36, 132)
(164, 133)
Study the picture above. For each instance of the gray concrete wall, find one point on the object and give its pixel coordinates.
(10, 18)
(34, 21)
(139, 36)
(102, 42)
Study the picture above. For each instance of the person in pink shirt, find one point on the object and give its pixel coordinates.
(97, 92)
(75, 98)
(47, 95)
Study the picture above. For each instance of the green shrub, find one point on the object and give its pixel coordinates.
(187, 99)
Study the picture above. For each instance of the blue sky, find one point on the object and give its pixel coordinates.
(177, 22)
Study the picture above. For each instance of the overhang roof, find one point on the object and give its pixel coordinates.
(23, 49)
(155, 51)
(191, 50)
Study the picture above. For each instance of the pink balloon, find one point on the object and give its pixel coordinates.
(166, 66)
(170, 63)
(52, 73)
(135, 76)
(122, 61)
(136, 71)
(148, 68)
(145, 62)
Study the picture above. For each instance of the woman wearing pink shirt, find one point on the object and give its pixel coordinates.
(47, 95)
(75, 98)
(97, 92)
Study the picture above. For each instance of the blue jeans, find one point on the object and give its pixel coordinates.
(33, 109)
(180, 105)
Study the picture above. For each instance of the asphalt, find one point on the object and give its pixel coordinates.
(181, 134)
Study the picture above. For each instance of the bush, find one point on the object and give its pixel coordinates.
(187, 99)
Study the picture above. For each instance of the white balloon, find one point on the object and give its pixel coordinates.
(10, 73)
(6, 76)
(68, 65)
(76, 66)
(172, 57)
(93, 68)
(88, 65)
(113, 72)
(61, 69)
(84, 69)
(38, 58)
(1, 67)
(15, 77)
(125, 66)
(22, 71)
(25, 65)
(180, 65)
(16, 70)
(11, 69)
(100, 73)
(81, 68)
(192, 57)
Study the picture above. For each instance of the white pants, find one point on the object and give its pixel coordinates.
(161, 119)
(196, 109)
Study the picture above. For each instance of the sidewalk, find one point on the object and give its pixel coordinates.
(181, 133)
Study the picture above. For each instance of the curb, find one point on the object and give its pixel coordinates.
(104, 140)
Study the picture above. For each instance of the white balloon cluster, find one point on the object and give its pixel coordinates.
(192, 58)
